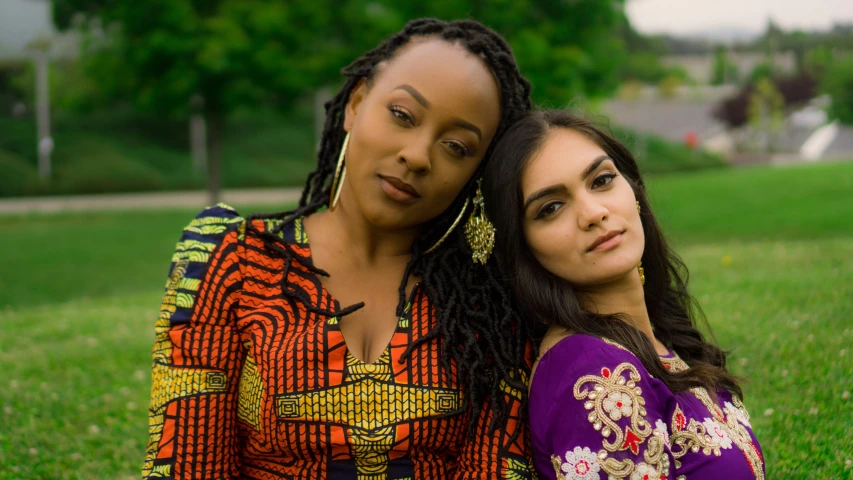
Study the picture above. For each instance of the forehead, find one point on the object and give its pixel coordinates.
(562, 158)
(449, 76)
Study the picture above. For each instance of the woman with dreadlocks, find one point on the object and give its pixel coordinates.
(363, 334)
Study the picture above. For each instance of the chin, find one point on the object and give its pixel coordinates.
(603, 276)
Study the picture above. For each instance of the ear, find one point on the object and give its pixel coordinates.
(356, 98)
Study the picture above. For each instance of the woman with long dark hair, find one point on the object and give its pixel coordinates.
(361, 335)
(625, 385)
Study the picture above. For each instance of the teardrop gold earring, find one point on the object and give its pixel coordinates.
(640, 265)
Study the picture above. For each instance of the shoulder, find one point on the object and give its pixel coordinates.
(581, 349)
(568, 359)
(214, 222)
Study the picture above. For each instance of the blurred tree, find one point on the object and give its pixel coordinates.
(766, 113)
(818, 60)
(724, 69)
(838, 84)
(159, 54)
(761, 70)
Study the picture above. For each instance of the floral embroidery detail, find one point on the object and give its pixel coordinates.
(617, 405)
(674, 364)
(644, 471)
(660, 428)
(714, 434)
(580, 464)
(718, 433)
(736, 408)
(615, 395)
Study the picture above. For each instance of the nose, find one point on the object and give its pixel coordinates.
(416, 155)
(591, 212)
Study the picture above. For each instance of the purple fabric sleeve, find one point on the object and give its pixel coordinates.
(595, 411)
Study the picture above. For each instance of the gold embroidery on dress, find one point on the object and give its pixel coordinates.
(612, 397)
(726, 426)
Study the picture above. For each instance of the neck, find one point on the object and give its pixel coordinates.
(623, 296)
(351, 232)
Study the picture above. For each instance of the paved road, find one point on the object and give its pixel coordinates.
(146, 201)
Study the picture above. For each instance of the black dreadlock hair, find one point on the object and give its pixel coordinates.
(477, 319)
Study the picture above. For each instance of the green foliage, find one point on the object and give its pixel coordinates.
(19, 175)
(117, 151)
(817, 60)
(90, 165)
(646, 67)
(244, 52)
(657, 155)
(761, 71)
(838, 84)
(724, 69)
(766, 111)
(668, 86)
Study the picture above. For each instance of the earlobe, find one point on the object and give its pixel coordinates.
(356, 97)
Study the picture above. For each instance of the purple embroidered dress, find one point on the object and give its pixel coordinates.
(596, 413)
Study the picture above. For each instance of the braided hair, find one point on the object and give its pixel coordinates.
(476, 318)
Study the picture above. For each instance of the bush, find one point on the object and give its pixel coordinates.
(795, 90)
(91, 166)
(658, 155)
(838, 84)
(19, 176)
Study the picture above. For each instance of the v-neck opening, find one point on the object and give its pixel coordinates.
(301, 237)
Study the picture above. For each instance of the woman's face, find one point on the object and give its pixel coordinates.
(579, 213)
(418, 133)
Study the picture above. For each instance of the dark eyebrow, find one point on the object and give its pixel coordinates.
(458, 122)
(561, 188)
(592, 166)
(542, 193)
(420, 98)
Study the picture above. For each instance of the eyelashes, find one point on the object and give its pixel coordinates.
(550, 208)
(402, 116)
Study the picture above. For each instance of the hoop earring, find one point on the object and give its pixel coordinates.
(340, 175)
(449, 230)
(479, 230)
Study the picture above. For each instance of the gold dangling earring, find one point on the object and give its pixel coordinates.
(340, 175)
(640, 265)
(479, 230)
(447, 233)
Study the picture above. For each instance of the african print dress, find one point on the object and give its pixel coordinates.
(596, 413)
(248, 383)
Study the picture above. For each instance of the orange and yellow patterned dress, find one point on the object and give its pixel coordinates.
(249, 383)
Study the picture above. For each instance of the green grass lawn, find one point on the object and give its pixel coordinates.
(771, 258)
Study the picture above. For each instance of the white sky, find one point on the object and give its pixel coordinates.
(687, 16)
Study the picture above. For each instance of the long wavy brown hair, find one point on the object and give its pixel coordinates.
(546, 299)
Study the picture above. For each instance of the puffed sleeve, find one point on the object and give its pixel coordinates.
(198, 354)
(596, 413)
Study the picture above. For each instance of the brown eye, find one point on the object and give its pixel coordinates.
(548, 209)
(458, 149)
(603, 180)
(401, 115)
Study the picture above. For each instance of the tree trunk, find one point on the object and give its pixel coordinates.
(214, 162)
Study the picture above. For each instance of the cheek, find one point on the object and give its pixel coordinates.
(553, 245)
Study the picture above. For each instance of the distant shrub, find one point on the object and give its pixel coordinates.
(94, 167)
(838, 84)
(658, 155)
(795, 90)
(17, 175)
